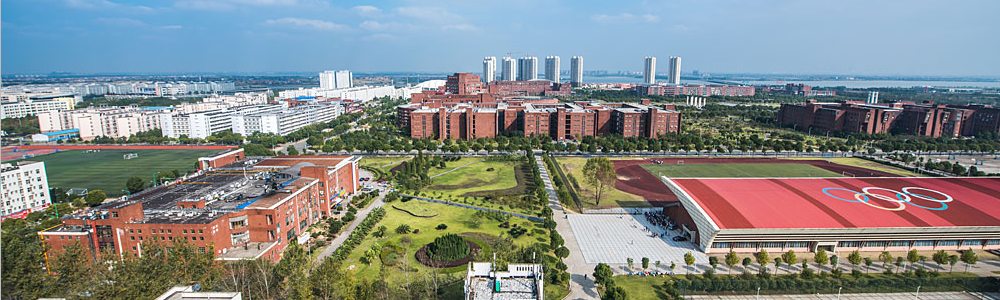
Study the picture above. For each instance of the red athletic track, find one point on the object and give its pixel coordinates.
(127, 147)
(633, 179)
(801, 203)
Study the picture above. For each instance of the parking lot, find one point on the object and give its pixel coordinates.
(612, 239)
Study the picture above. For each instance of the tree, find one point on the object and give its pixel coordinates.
(763, 259)
(854, 258)
(602, 274)
(614, 292)
(689, 259)
(940, 258)
(713, 261)
(135, 184)
(835, 260)
(599, 173)
(969, 258)
(821, 258)
(868, 264)
(777, 264)
(746, 263)
(731, 260)
(885, 257)
(403, 229)
(789, 258)
(952, 260)
(95, 198)
(291, 150)
(912, 257)
(672, 266)
(629, 261)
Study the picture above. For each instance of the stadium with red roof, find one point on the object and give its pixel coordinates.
(839, 214)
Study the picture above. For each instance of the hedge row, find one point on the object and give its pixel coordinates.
(823, 285)
(359, 233)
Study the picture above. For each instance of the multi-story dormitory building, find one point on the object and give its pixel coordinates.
(931, 120)
(269, 118)
(252, 208)
(481, 116)
(108, 121)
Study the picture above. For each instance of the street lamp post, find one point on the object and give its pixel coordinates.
(917, 295)
(838, 292)
(758, 293)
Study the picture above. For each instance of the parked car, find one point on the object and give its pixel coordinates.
(679, 238)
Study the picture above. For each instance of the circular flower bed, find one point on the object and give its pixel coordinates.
(447, 251)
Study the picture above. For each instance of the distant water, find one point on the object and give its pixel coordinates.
(877, 83)
(626, 79)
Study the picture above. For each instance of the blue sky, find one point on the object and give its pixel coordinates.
(801, 37)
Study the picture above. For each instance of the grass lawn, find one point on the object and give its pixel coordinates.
(452, 164)
(738, 170)
(573, 166)
(474, 177)
(383, 163)
(857, 162)
(107, 171)
(459, 221)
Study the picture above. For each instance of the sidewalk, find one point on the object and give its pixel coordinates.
(339, 240)
(581, 282)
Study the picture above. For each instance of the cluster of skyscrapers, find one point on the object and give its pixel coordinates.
(526, 69)
(649, 70)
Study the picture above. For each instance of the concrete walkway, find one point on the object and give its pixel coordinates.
(581, 281)
(339, 240)
(866, 296)
(456, 168)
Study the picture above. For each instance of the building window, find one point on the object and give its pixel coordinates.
(972, 243)
(721, 245)
(899, 243)
(923, 244)
(945, 243)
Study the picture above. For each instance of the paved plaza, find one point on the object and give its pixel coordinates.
(612, 239)
(872, 296)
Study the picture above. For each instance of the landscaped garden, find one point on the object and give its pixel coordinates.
(612, 197)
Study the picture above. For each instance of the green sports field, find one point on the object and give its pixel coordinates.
(108, 171)
(738, 170)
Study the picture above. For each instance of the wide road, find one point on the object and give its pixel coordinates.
(581, 281)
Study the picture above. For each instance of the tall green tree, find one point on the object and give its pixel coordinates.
(95, 198)
(821, 258)
(970, 258)
(731, 260)
(135, 184)
(599, 173)
(689, 259)
(763, 259)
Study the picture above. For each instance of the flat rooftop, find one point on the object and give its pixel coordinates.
(782, 203)
(291, 160)
(510, 289)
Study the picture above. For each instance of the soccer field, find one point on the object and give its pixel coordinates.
(108, 171)
(738, 170)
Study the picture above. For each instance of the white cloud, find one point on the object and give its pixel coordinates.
(366, 10)
(462, 26)
(224, 5)
(89, 4)
(372, 25)
(121, 22)
(307, 23)
(624, 17)
(430, 14)
(172, 27)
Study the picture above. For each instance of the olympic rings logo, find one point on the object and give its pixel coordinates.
(901, 197)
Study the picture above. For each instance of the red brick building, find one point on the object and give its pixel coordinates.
(221, 159)
(561, 121)
(696, 90)
(927, 119)
(529, 88)
(463, 84)
(245, 210)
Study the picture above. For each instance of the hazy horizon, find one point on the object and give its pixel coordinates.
(852, 38)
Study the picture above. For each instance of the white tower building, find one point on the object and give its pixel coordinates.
(527, 68)
(552, 68)
(649, 72)
(489, 69)
(576, 71)
(509, 69)
(675, 70)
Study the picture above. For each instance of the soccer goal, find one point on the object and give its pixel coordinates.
(680, 162)
(129, 156)
(848, 174)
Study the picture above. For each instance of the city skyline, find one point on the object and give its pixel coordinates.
(118, 36)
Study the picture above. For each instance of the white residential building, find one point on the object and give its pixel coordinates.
(113, 121)
(576, 71)
(25, 187)
(282, 121)
(329, 80)
(649, 70)
(552, 68)
(359, 93)
(489, 69)
(18, 105)
(197, 125)
(675, 70)
(527, 68)
(509, 69)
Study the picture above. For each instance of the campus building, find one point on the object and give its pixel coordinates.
(520, 281)
(108, 121)
(926, 119)
(529, 88)
(279, 120)
(25, 188)
(561, 121)
(805, 90)
(20, 105)
(249, 209)
(463, 84)
(695, 90)
(838, 214)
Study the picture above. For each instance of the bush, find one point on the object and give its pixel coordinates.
(403, 229)
(441, 226)
(516, 232)
(857, 273)
(449, 247)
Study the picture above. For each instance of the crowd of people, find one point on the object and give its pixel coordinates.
(659, 220)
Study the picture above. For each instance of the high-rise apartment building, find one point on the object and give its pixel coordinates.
(527, 68)
(342, 79)
(489, 69)
(509, 69)
(675, 70)
(552, 68)
(576, 71)
(25, 188)
(649, 71)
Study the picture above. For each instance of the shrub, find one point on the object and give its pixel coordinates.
(441, 226)
(857, 273)
(449, 247)
(489, 169)
(516, 232)
(403, 229)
